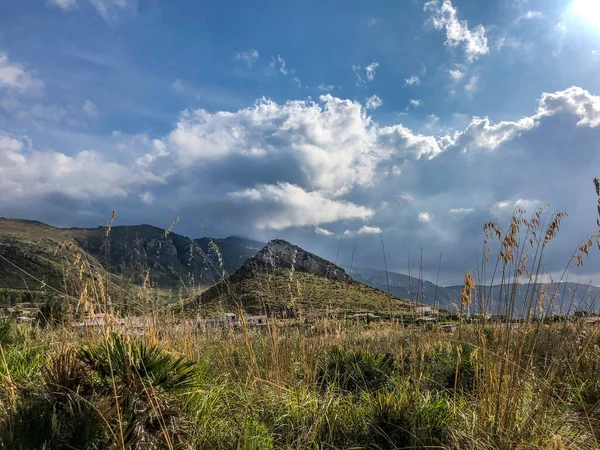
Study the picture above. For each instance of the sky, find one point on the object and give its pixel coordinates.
(333, 124)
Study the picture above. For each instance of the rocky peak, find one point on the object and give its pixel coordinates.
(281, 254)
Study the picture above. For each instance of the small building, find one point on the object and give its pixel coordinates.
(256, 321)
(425, 310)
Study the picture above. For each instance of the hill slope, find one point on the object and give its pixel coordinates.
(134, 253)
(285, 279)
(567, 297)
(404, 286)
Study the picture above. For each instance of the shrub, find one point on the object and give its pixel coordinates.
(354, 371)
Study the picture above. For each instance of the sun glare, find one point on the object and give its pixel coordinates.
(589, 10)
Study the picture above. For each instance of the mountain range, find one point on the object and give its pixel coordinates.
(36, 256)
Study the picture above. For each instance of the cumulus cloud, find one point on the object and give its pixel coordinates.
(291, 205)
(81, 176)
(412, 81)
(331, 142)
(249, 57)
(574, 100)
(374, 102)
(401, 143)
(15, 79)
(415, 102)
(444, 16)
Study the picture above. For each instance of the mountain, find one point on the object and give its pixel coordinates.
(284, 279)
(130, 253)
(568, 297)
(557, 298)
(404, 286)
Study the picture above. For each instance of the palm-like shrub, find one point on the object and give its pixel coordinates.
(143, 382)
(355, 371)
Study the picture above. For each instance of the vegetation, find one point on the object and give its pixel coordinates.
(327, 384)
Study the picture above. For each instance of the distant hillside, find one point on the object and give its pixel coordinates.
(285, 279)
(411, 288)
(560, 298)
(37, 260)
(569, 297)
(130, 252)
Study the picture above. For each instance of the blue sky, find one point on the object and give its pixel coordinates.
(310, 121)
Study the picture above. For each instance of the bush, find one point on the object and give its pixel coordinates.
(354, 371)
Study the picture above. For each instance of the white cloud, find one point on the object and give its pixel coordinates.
(356, 70)
(472, 86)
(456, 75)
(574, 100)
(332, 142)
(530, 15)
(401, 143)
(374, 102)
(368, 230)
(325, 87)
(81, 176)
(363, 230)
(147, 198)
(279, 64)
(178, 85)
(292, 206)
(14, 78)
(249, 57)
(323, 231)
(461, 211)
(90, 109)
(65, 5)
(444, 16)
(415, 102)
(110, 9)
(502, 205)
(297, 82)
(425, 217)
(370, 70)
(412, 81)
(481, 133)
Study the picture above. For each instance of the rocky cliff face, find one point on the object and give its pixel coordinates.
(281, 254)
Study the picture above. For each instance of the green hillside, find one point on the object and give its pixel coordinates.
(285, 279)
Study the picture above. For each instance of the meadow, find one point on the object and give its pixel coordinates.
(317, 383)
